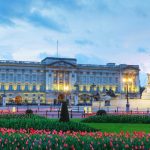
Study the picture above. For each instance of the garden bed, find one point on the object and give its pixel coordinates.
(41, 139)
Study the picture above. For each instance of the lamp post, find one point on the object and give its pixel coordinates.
(127, 81)
(92, 90)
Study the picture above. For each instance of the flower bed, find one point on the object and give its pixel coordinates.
(118, 119)
(45, 139)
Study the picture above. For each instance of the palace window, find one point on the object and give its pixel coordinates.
(7, 77)
(26, 77)
(91, 79)
(11, 77)
(97, 79)
(34, 77)
(3, 76)
(26, 88)
(110, 79)
(18, 88)
(2, 87)
(10, 87)
(34, 88)
(84, 88)
(84, 79)
(19, 77)
(116, 79)
(42, 88)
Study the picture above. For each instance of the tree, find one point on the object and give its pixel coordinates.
(64, 116)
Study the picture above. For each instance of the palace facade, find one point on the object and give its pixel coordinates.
(45, 80)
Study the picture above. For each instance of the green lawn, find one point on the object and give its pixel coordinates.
(117, 127)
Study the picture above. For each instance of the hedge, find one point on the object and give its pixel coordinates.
(37, 122)
(118, 119)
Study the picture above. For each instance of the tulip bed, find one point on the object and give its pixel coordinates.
(22, 139)
(118, 119)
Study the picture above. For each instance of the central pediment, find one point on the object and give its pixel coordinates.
(59, 62)
(62, 64)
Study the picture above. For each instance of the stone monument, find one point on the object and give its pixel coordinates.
(38, 101)
(76, 99)
(4, 100)
(146, 92)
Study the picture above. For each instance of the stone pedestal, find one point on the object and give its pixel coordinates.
(38, 102)
(4, 100)
(146, 92)
(76, 99)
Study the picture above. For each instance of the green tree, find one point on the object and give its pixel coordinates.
(64, 116)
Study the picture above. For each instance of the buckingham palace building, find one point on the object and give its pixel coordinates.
(46, 80)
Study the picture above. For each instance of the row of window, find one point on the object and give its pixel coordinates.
(100, 73)
(41, 95)
(86, 89)
(93, 79)
(20, 70)
(20, 77)
(26, 88)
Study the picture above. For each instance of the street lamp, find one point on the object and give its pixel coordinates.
(127, 81)
(92, 90)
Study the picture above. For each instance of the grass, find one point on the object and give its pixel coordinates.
(117, 127)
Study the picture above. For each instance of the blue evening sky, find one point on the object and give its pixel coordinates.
(93, 31)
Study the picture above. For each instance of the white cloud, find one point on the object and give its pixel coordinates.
(115, 31)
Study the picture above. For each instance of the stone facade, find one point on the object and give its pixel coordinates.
(45, 80)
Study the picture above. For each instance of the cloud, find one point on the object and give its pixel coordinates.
(83, 42)
(142, 50)
(88, 59)
(94, 31)
(69, 5)
(5, 21)
(43, 55)
(39, 20)
(6, 52)
(17, 9)
(13, 9)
